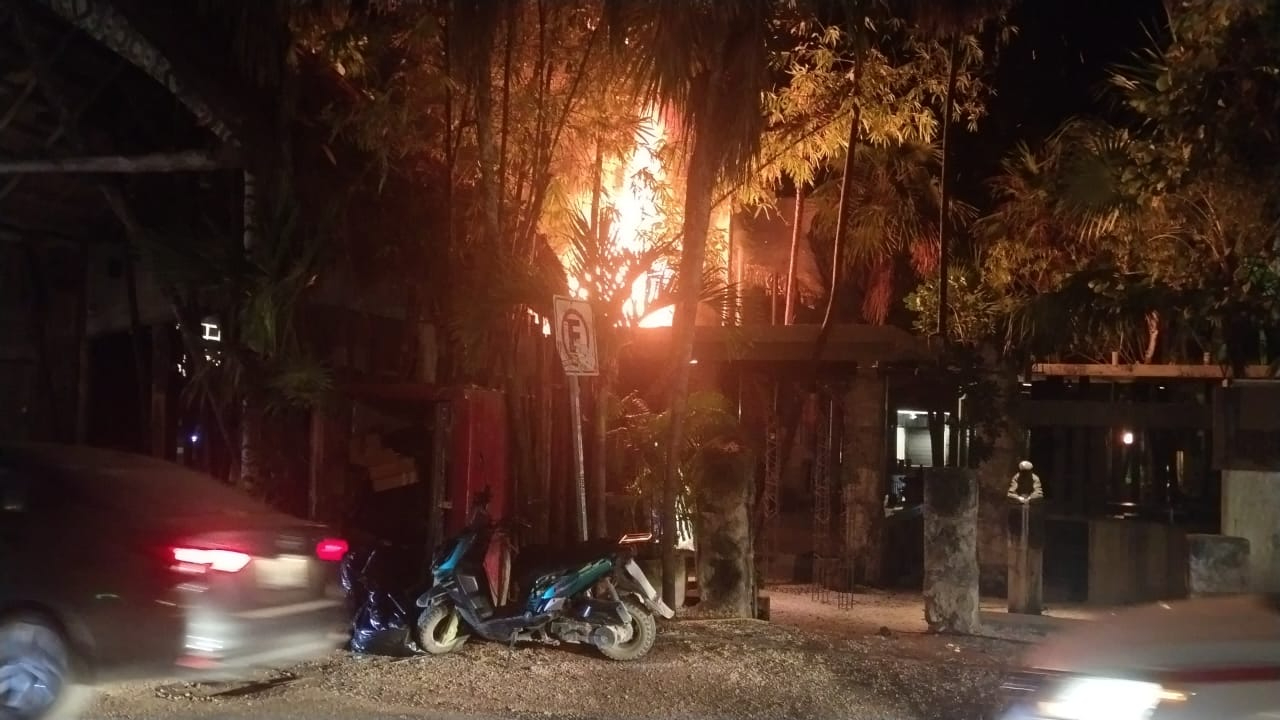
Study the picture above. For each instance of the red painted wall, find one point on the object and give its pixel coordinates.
(478, 457)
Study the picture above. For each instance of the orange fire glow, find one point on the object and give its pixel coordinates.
(631, 196)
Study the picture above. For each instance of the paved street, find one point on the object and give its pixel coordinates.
(814, 661)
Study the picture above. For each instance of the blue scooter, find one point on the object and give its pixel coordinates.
(592, 594)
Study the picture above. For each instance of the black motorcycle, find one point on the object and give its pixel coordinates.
(593, 593)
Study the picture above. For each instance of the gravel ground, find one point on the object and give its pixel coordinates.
(813, 661)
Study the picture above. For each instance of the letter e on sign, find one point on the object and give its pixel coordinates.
(575, 334)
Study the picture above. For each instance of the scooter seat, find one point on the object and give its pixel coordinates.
(534, 561)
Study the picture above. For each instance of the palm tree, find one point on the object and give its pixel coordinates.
(891, 224)
(708, 61)
(951, 21)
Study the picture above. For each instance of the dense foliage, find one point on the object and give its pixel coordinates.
(1155, 238)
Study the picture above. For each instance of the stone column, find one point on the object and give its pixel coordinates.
(950, 550)
(723, 532)
(1217, 564)
(863, 477)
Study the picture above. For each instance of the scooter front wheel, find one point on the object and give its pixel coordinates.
(440, 630)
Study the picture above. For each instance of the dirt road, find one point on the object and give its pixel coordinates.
(796, 667)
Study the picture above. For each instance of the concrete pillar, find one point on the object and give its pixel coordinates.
(1250, 506)
(950, 550)
(863, 477)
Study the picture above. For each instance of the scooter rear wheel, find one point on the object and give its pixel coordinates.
(440, 630)
(644, 631)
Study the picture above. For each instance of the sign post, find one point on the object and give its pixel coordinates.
(576, 343)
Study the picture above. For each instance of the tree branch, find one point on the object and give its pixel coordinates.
(102, 21)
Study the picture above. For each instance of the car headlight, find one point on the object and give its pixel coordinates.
(1101, 698)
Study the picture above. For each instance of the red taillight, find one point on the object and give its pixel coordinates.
(200, 560)
(331, 549)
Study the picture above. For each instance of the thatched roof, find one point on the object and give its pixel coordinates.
(764, 238)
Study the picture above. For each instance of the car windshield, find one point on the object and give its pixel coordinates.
(120, 480)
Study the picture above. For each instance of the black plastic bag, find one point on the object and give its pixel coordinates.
(380, 623)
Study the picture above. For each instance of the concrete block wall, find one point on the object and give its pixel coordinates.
(1251, 510)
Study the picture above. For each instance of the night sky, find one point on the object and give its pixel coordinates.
(1054, 69)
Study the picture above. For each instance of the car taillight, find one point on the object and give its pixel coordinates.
(331, 549)
(201, 560)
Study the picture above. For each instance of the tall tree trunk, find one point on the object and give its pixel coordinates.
(797, 225)
(604, 382)
(993, 473)
(944, 193)
(252, 470)
(504, 133)
(485, 141)
(161, 362)
(698, 200)
(249, 466)
(864, 474)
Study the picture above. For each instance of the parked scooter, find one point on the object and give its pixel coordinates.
(593, 594)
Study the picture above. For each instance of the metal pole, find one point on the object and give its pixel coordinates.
(579, 462)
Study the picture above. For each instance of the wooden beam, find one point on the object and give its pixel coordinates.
(1137, 371)
(849, 343)
(174, 162)
(1102, 414)
(72, 118)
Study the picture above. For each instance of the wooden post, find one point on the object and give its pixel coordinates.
(441, 445)
(330, 451)
(83, 355)
(1026, 558)
(544, 453)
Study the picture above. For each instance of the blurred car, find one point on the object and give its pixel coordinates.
(1207, 658)
(116, 566)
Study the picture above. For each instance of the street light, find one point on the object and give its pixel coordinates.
(1127, 438)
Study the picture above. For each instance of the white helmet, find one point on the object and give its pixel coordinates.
(1025, 466)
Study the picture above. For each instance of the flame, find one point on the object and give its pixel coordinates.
(630, 195)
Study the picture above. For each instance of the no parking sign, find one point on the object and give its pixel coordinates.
(576, 336)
